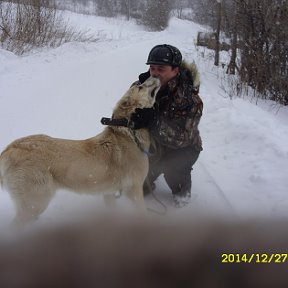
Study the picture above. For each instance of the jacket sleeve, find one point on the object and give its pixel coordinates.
(191, 127)
(181, 129)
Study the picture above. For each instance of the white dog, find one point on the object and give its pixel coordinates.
(34, 167)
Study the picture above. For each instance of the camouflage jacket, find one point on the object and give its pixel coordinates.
(179, 109)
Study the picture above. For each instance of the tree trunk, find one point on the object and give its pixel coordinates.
(217, 46)
(232, 65)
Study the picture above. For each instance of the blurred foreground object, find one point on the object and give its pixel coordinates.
(137, 253)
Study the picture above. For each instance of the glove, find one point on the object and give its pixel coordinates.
(143, 118)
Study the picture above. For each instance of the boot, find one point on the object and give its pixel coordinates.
(181, 201)
(182, 194)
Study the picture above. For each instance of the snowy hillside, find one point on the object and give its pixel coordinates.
(64, 93)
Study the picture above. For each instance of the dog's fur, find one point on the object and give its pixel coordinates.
(34, 167)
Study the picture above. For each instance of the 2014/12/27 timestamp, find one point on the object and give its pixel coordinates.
(254, 258)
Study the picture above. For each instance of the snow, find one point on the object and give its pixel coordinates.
(64, 92)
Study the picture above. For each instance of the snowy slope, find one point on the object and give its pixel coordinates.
(64, 92)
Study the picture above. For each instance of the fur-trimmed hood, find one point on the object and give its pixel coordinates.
(192, 69)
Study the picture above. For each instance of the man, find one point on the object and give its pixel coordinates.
(173, 121)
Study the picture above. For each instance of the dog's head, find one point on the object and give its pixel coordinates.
(138, 96)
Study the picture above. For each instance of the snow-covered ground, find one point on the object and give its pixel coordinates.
(64, 92)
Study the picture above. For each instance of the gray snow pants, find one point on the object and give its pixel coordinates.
(176, 165)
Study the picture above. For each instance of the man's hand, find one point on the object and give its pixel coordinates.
(143, 118)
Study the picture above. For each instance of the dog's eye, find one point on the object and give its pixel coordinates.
(140, 87)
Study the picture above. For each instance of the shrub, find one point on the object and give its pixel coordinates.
(25, 25)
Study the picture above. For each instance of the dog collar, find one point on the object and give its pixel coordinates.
(115, 122)
(123, 122)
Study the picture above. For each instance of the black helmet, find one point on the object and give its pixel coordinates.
(164, 55)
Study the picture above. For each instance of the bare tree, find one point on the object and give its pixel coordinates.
(258, 30)
(217, 34)
(234, 39)
(156, 14)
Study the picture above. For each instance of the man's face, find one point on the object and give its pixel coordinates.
(163, 72)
